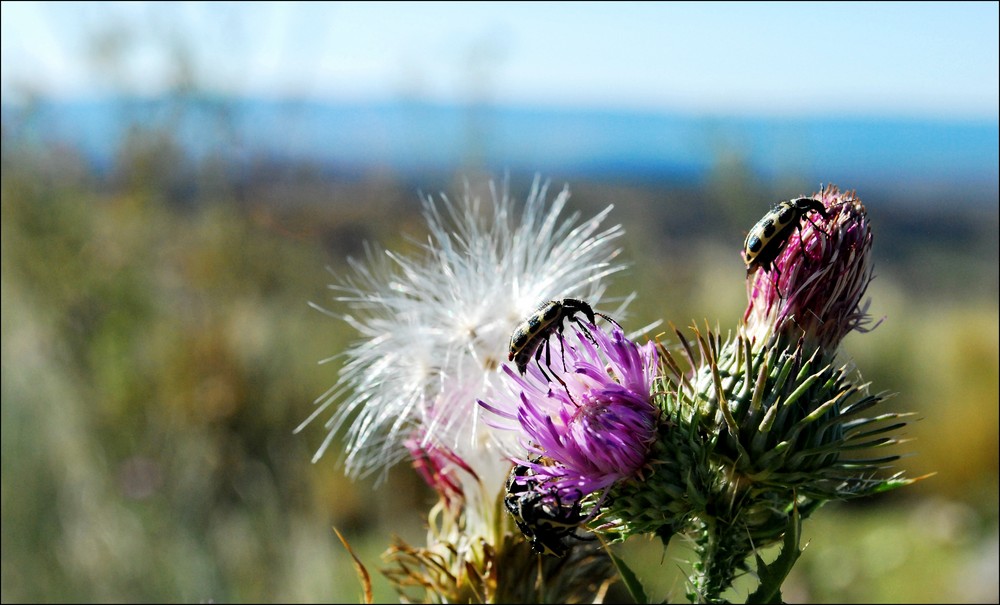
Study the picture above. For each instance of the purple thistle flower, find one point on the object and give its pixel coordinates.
(596, 430)
(817, 282)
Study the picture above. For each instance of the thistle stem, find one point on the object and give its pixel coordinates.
(721, 555)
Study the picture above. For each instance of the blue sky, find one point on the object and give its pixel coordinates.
(899, 59)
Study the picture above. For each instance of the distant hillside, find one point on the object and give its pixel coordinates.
(923, 159)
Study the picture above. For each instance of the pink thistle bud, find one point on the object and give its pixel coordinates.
(814, 286)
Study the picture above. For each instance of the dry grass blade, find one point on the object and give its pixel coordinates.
(366, 579)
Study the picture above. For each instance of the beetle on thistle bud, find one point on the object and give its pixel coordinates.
(768, 237)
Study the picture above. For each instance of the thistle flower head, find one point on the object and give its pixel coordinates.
(754, 438)
(593, 425)
(433, 326)
(815, 285)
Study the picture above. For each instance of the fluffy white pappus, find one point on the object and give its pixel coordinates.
(434, 327)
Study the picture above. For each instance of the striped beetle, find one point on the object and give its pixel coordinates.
(531, 337)
(768, 237)
(544, 520)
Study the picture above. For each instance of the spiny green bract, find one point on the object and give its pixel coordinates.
(745, 436)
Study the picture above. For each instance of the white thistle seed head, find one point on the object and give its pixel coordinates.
(434, 327)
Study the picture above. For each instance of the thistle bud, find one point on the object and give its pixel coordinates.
(760, 428)
(815, 285)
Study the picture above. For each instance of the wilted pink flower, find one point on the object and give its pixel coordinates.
(441, 469)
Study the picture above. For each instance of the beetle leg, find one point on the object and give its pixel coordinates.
(609, 319)
(538, 358)
(548, 361)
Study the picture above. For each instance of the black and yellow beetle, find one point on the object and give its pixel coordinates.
(531, 337)
(545, 521)
(768, 237)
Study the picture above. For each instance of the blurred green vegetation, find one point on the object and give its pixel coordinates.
(158, 352)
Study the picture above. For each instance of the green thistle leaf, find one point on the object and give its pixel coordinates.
(773, 576)
(629, 579)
